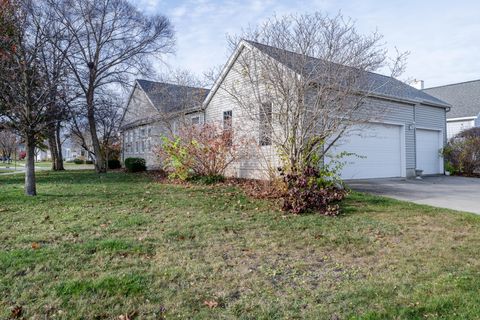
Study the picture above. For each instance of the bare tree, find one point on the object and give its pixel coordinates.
(53, 63)
(303, 81)
(24, 90)
(8, 143)
(112, 41)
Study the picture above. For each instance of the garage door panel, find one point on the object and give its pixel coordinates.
(377, 152)
(428, 151)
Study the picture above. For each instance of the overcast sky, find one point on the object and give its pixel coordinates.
(443, 37)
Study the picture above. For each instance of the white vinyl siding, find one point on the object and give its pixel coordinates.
(455, 127)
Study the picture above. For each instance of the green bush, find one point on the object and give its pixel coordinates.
(114, 164)
(89, 162)
(135, 164)
(78, 161)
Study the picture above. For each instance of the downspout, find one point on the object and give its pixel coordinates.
(415, 134)
(445, 140)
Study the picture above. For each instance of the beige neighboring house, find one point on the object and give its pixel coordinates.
(156, 109)
(407, 138)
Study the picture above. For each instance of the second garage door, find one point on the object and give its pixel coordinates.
(378, 150)
(428, 151)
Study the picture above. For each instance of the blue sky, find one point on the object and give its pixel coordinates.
(443, 37)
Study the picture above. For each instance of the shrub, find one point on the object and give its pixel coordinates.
(308, 190)
(88, 162)
(202, 150)
(78, 161)
(114, 164)
(22, 155)
(135, 164)
(462, 153)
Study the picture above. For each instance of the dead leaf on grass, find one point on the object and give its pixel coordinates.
(36, 245)
(210, 303)
(17, 312)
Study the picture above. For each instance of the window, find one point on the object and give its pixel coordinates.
(227, 120)
(136, 147)
(227, 126)
(195, 120)
(265, 125)
(143, 146)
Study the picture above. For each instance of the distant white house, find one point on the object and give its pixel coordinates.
(408, 138)
(465, 100)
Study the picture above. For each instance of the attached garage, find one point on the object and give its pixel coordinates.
(377, 151)
(429, 142)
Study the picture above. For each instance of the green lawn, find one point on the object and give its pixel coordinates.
(46, 164)
(98, 247)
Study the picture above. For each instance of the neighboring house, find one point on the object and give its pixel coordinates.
(154, 110)
(465, 100)
(408, 137)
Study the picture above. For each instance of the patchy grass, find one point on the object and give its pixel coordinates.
(95, 247)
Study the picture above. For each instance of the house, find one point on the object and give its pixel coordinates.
(407, 138)
(156, 109)
(465, 100)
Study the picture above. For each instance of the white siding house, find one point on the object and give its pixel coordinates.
(464, 98)
(407, 137)
(155, 110)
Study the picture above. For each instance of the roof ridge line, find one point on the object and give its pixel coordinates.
(452, 84)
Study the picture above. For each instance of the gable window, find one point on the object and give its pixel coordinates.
(227, 126)
(227, 120)
(195, 120)
(265, 125)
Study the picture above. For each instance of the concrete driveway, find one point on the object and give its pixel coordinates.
(456, 193)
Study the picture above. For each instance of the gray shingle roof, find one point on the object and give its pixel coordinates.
(169, 98)
(372, 82)
(464, 98)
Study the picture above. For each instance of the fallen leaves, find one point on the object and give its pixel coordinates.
(17, 312)
(210, 303)
(36, 245)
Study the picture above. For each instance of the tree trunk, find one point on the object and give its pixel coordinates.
(30, 184)
(58, 142)
(100, 164)
(55, 148)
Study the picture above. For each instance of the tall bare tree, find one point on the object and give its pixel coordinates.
(52, 61)
(111, 42)
(24, 90)
(303, 81)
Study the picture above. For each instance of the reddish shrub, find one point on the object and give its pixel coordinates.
(22, 155)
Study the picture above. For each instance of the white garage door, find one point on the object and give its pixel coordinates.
(378, 150)
(428, 151)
